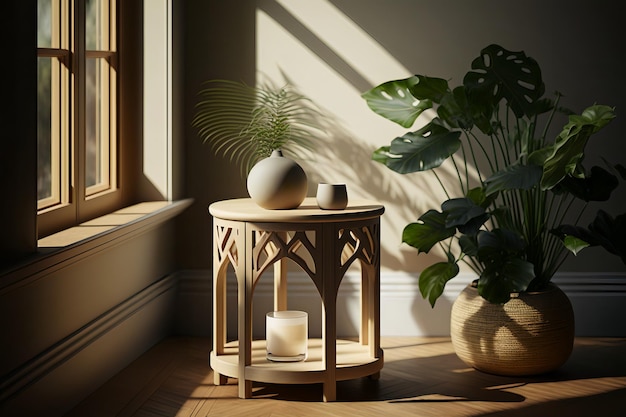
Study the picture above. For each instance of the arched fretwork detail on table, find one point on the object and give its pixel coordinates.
(270, 246)
(358, 243)
(226, 246)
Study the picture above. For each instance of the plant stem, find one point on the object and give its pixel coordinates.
(443, 187)
(458, 174)
(473, 153)
(544, 134)
(485, 153)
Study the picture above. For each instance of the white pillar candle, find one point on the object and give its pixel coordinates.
(286, 334)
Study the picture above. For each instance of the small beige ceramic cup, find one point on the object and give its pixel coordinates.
(332, 196)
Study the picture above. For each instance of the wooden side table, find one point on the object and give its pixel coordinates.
(324, 243)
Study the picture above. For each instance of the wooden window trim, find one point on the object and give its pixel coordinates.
(74, 202)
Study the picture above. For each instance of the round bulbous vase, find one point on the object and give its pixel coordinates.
(277, 182)
(531, 334)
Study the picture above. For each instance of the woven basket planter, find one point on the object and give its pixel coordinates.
(531, 334)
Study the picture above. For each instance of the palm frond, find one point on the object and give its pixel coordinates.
(245, 123)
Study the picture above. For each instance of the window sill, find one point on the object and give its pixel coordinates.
(99, 233)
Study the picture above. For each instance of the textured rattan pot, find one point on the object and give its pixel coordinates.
(531, 334)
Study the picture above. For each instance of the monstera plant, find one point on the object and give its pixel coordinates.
(514, 222)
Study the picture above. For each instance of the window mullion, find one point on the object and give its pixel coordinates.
(102, 84)
(79, 85)
(65, 97)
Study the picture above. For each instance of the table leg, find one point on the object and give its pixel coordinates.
(244, 325)
(370, 324)
(219, 321)
(220, 260)
(329, 341)
(329, 263)
(244, 330)
(364, 334)
(374, 376)
(280, 285)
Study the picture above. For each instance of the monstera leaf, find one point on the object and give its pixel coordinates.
(514, 177)
(394, 101)
(497, 243)
(455, 110)
(568, 151)
(430, 88)
(433, 279)
(501, 74)
(574, 244)
(505, 270)
(598, 186)
(464, 214)
(509, 275)
(428, 231)
(610, 232)
(421, 150)
(604, 231)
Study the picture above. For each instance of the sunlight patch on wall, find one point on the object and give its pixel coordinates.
(156, 100)
(348, 40)
(327, 57)
(287, 47)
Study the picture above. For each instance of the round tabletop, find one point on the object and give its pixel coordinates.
(244, 209)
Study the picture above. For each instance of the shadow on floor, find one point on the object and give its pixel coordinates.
(444, 378)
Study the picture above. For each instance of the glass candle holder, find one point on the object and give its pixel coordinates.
(286, 334)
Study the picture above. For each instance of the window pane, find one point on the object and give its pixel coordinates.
(44, 23)
(93, 120)
(44, 128)
(95, 20)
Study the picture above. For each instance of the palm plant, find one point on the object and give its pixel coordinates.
(510, 225)
(246, 123)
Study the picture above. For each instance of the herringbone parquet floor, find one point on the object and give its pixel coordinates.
(421, 377)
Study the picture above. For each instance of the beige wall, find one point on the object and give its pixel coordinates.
(218, 38)
(335, 50)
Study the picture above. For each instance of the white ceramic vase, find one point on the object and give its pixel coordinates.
(277, 182)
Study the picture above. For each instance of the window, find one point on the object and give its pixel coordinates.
(77, 112)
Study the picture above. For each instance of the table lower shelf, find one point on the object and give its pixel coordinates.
(353, 361)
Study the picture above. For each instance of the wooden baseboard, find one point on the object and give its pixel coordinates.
(597, 299)
(59, 377)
